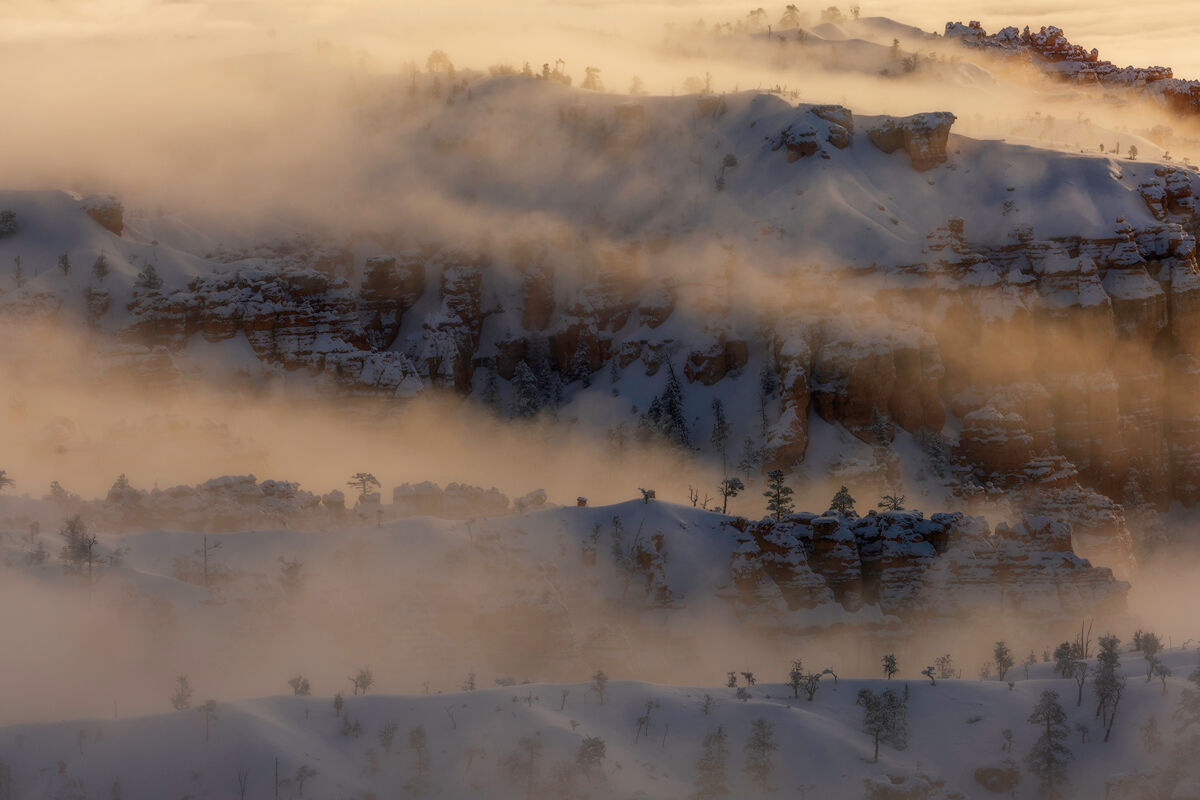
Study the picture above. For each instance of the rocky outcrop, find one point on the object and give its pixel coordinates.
(859, 373)
(841, 124)
(834, 556)
(1050, 49)
(1002, 778)
(1068, 361)
(922, 136)
(650, 561)
(796, 141)
(450, 335)
(105, 210)
(298, 319)
(919, 568)
(391, 285)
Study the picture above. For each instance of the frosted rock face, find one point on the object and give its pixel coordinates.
(922, 136)
(1063, 357)
(296, 318)
(1050, 49)
(919, 568)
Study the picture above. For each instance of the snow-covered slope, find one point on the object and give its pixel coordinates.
(653, 736)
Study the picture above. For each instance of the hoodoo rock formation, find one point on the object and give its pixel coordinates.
(1055, 365)
(1050, 50)
(918, 568)
(922, 136)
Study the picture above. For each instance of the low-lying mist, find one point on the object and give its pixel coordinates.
(255, 112)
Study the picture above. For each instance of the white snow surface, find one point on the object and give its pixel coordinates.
(954, 728)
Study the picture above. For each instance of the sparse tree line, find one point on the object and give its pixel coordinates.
(884, 721)
(146, 280)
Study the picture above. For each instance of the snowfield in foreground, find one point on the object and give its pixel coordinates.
(480, 743)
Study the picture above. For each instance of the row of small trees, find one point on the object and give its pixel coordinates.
(147, 278)
(884, 719)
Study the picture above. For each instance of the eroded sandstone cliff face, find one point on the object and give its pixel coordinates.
(918, 568)
(1051, 360)
(1050, 50)
(1070, 364)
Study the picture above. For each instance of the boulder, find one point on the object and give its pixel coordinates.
(922, 136)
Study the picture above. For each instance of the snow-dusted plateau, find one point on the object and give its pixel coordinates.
(473, 428)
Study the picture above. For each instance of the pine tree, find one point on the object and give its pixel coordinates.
(672, 422)
(779, 496)
(1108, 685)
(759, 748)
(1150, 646)
(720, 433)
(78, 546)
(1064, 659)
(791, 17)
(751, 458)
(148, 279)
(362, 680)
(181, 697)
(796, 677)
(1003, 658)
(945, 666)
(591, 80)
(600, 686)
(549, 382)
(842, 502)
(527, 395)
(580, 368)
(730, 487)
(889, 665)
(58, 495)
(363, 481)
(1050, 756)
(876, 722)
(881, 430)
(100, 267)
(710, 769)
